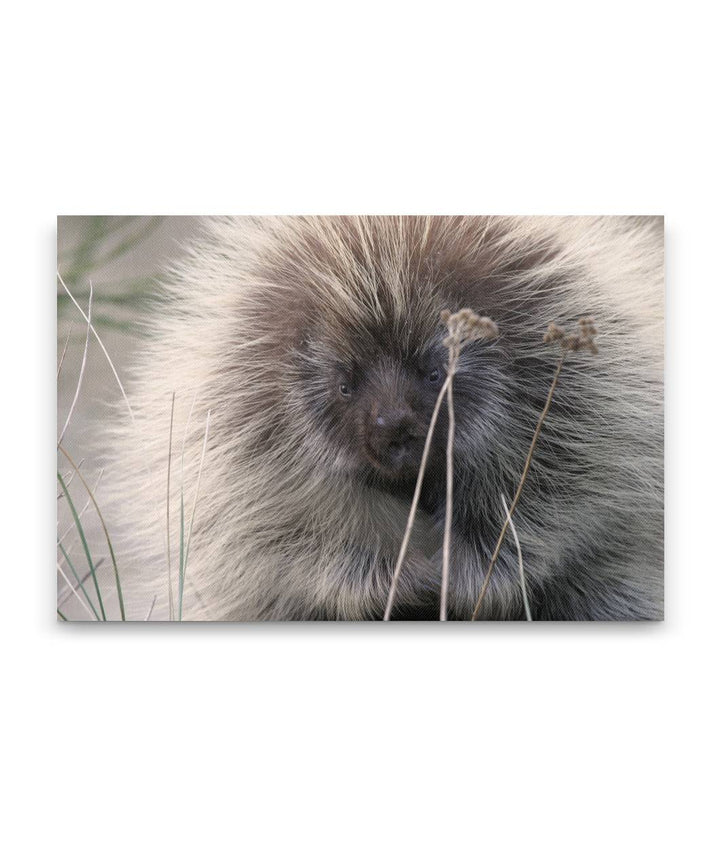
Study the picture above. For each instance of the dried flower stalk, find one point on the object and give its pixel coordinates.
(463, 327)
(415, 501)
(583, 340)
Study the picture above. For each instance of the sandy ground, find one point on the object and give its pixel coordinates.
(130, 257)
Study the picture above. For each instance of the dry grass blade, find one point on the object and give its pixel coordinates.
(74, 591)
(65, 595)
(82, 367)
(182, 507)
(171, 608)
(105, 530)
(83, 541)
(582, 340)
(415, 501)
(84, 508)
(69, 476)
(445, 583)
(64, 350)
(102, 346)
(192, 517)
(152, 606)
(520, 486)
(521, 569)
(464, 327)
(80, 582)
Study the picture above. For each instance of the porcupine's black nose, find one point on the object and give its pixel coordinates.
(391, 437)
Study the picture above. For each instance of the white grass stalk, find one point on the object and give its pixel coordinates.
(70, 476)
(82, 366)
(182, 507)
(74, 591)
(518, 492)
(192, 517)
(113, 559)
(102, 346)
(84, 508)
(64, 351)
(452, 363)
(521, 570)
(65, 595)
(167, 530)
(415, 501)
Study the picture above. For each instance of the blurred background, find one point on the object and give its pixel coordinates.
(125, 259)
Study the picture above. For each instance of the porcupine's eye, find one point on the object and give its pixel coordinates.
(345, 390)
(433, 377)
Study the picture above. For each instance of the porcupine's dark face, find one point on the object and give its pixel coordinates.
(368, 353)
(386, 405)
(372, 400)
(371, 397)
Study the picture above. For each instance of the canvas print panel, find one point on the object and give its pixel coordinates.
(360, 418)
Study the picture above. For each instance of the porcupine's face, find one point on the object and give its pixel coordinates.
(371, 393)
(371, 403)
(366, 358)
(384, 403)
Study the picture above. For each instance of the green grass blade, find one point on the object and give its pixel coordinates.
(83, 539)
(105, 530)
(78, 580)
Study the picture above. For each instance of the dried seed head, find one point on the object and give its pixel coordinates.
(554, 333)
(466, 326)
(584, 339)
(587, 326)
(571, 342)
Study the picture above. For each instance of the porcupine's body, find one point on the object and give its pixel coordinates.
(316, 343)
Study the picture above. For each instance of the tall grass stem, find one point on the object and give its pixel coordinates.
(105, 531)
(415, 501)
(445, 583)
(520, 486)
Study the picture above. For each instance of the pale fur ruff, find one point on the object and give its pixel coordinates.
(284, 531)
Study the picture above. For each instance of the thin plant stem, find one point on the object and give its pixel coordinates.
(66, 595)
(80, 582)
(452, 364)
(83, 539)
(70, 476)
(80, 600)
(167, 531)
(521, 569)
(520, 486)
(102, 346)
(105, 530)
(84, 508)
(82, 367)
(182, 508)
(64, 350)
(152, 606)
(192, 518)
(415, 501)
(62, 617)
